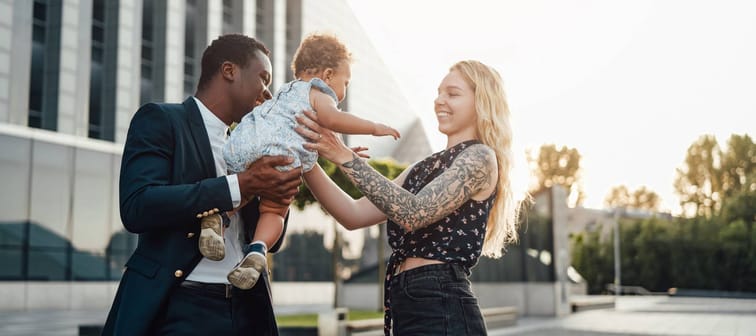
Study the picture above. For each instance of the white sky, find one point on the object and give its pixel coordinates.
(630, 84)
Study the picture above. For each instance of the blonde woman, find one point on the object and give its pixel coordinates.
(443, 212)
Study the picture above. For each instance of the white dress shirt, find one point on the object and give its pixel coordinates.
(207, 270)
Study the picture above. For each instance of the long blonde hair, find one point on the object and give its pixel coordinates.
(495, 130)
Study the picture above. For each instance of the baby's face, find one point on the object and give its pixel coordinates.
(339, 81)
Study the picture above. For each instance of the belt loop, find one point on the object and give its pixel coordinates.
(228, 291)
(460, 272)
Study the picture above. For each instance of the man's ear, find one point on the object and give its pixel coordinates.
(228, 70)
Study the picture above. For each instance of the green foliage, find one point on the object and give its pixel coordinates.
(734, 252)
(715, 248)
(699, 181)
(311, 320)
(297, 320)
(355, 315)
(741, 205)
(553, 166)
(738, 165)
(699, 253)
(387, 167)
(593, 260)
(710, 175)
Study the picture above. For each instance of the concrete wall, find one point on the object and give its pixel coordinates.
(19, 296)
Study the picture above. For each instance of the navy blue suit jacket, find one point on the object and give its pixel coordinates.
(167, 177)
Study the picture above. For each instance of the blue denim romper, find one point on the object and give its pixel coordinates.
(269, 129)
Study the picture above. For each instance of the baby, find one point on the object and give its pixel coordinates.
(322, 70)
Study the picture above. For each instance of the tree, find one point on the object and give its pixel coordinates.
(593, 259)
(553, 166)
(618, 197)
(646, 199)
(739, 165)
(699, 181)
(709, 175)
(641, 199)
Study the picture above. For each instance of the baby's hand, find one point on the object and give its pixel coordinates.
(381, 129)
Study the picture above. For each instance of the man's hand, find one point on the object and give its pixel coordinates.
(381, 129)
(263, 179)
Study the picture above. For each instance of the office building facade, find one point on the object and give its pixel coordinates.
(73, 72)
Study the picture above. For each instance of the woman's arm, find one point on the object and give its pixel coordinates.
(472, 172)
(350, 213)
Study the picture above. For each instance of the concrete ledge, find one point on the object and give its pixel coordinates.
(498, 317)
(585, 303)
(364, 325)
(90, 330)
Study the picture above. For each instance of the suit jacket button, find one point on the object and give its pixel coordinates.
(178, 273)
(190, 235)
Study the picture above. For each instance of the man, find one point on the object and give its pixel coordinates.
(172, 170)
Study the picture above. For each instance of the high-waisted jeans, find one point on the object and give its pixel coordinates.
(435, 300)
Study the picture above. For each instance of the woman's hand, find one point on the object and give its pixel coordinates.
(322, 140)
(360, 151)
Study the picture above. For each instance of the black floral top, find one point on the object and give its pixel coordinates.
(457, 238)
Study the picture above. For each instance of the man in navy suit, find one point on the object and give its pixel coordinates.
(173, 169)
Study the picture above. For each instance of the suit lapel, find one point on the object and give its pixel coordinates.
(199, 134)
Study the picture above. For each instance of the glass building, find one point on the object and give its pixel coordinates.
(73, 72)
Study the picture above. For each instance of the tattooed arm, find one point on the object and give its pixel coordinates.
(472, 172)
(350, 213)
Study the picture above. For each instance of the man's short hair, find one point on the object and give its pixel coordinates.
(235, 48)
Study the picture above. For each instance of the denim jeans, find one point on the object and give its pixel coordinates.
(435, 300)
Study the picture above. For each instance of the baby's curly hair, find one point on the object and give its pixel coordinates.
(318, 52)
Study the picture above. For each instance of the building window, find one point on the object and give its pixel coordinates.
(96, 73)
(293, 33)
(146, 81)
(259, 17)
(42, 109)
(228, 16)
(190, 38)
(263, 28)
(58, 233)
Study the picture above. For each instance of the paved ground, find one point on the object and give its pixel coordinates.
(633, 316)
(658, 315)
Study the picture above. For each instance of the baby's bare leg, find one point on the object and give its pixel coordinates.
(268, 231)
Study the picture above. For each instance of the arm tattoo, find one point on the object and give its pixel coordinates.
(468, 174)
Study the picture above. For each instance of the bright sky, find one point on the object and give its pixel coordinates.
(630, 84)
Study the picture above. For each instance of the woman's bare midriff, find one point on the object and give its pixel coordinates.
(414, 262)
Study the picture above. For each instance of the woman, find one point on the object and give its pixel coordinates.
(443, 212)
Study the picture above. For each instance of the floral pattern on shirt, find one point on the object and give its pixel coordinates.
(456, 238)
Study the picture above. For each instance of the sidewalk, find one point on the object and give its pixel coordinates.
(649, 315)
(633, 316)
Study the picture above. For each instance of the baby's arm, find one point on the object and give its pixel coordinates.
(331, 117)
